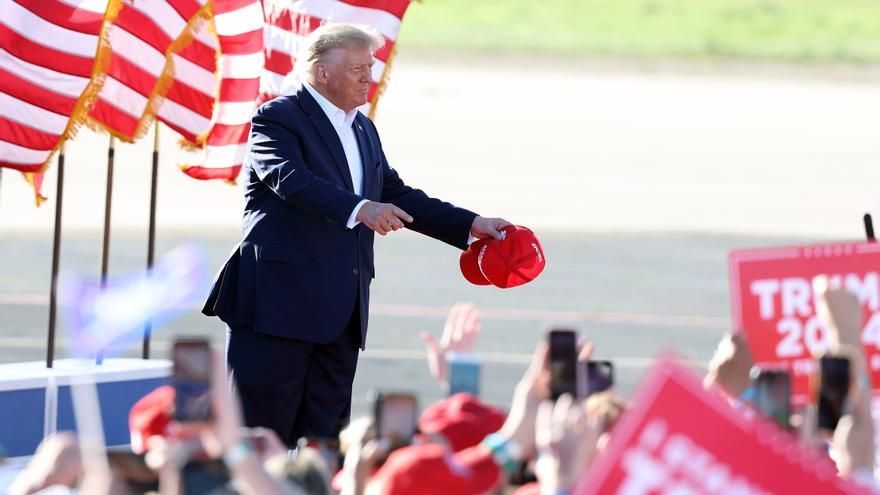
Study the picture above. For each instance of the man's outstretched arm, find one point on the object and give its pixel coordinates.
(436, 218)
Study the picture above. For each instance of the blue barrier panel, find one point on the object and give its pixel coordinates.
(30, 391)
(22, 417)
(116, 400)
(121, 382)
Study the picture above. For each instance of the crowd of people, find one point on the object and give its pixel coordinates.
(461, 446)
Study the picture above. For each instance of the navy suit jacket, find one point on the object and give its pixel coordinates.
(298, 272)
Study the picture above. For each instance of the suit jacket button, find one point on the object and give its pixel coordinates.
(355, 271)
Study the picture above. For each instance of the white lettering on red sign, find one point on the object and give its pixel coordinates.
(673, 464)
(791, 301)
(796, 295)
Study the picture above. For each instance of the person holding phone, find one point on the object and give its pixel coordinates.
(500, 451)
(295, 291)
(452, 361)
(202, 452)
(563, 363)
(852, 445)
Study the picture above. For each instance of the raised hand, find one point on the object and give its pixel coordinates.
(566, 439)
(840, 311)
(730, 365)
(532, 389)
(459, 336)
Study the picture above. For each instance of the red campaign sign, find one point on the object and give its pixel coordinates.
(771, 292)
(681, 439)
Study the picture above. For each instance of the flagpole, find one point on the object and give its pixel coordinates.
(151, 237)
(108, 203)
(56, 249)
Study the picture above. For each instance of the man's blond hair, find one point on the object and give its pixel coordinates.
(337, 35)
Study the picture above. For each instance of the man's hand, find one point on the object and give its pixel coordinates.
(382, 217)
(459, 336)
(533, 388)
(730, 365)
(484, 228)
(363, 453)
(56, 462)
(840, 312)
(566, 439)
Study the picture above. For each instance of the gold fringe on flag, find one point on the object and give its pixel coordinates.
(163, 82)
(39, 199)
(202, 139)
(199, 143)
(79, 115)
(383, 82)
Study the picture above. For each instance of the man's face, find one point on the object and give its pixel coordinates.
(344, 75)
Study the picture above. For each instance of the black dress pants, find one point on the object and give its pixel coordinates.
(294, 387)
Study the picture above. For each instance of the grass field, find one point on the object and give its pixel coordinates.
(788, 30)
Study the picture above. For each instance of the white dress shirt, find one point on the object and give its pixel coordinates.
(343, 124)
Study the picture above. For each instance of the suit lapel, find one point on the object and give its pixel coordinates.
(327, 132)
(366, 156)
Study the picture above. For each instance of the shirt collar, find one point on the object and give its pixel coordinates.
(337, 116)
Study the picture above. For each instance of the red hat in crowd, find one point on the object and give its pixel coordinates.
(150, 416)
(432, 469)
(516, 259)
(462, 420)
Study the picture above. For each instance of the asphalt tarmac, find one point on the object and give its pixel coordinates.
(633, 295)
(638, 182)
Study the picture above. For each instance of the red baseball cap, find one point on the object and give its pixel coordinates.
(150, 416)
(462, 420)
(469, 263)
(432, 469)
(515, 260)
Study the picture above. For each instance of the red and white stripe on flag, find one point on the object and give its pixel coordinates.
(189, 102)
(239, 27)
(287, 23)
(139, 75)
(47, 53)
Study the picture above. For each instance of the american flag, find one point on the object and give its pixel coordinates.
(287, 23)
(53, 70)
(188, 105)
(138, 34)
(240, 32)
(47, 56)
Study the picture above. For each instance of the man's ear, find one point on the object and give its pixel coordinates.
(320, 72)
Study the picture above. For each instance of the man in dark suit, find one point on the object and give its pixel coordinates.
(295, 292)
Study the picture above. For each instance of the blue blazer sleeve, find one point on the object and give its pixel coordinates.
(432, 217)
(277, 159)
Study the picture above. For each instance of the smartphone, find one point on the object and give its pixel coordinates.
(772, 395)
(831, 390)
(563, 363)
(132, 470)
(191, 379)
(210, 477)
(464, 374)
(327, 448)
(395, 415)
(600, 376)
